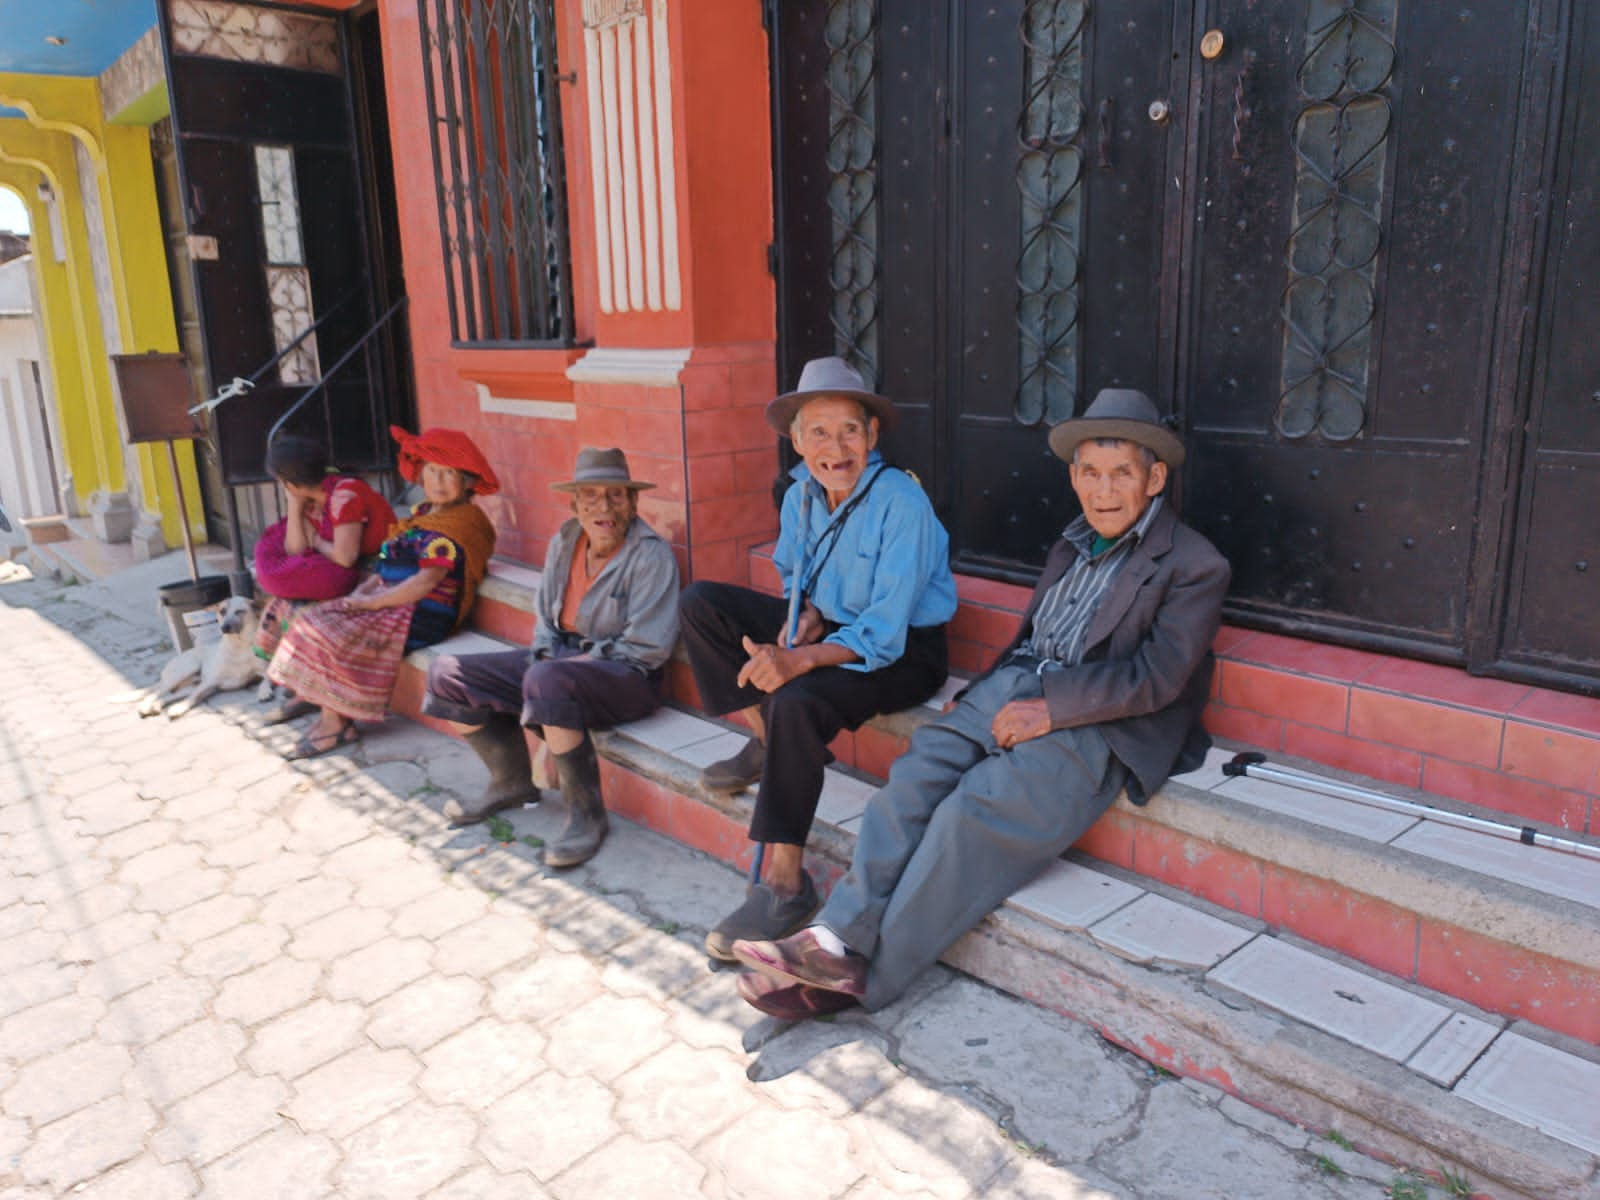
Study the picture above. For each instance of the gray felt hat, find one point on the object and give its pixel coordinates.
(829, 377)
(1124, 414)
(601, 468)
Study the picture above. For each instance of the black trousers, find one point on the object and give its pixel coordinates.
(567, 690)
(806, 713)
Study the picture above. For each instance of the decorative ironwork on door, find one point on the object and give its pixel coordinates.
(1049, 170)
(851, 33)
(1339, 143)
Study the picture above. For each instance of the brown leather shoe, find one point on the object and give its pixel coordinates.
(799, 959)
(790, 1001)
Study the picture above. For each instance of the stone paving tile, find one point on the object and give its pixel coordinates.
(144, 1178)
(272, 988)
(483, 946)
(179, 891)
(519, 1136)
(1156, 929)
(235, 951)
(805, 1156)
(629, 1167)
(302, 903)
(426, 1012)
(339, 933)
(219, 1119)
(189, 926)
(488, 1184)
(482, 1063)
(66, 1081)
(281, 1165)
(682, 1095)
(548, 987)
(48, 1027)
(307, 1037)
(157, 864)
(183, 1062)
(408, 1153)
(831, 1068)
(262, 842)
(438, 912)
(136, 839)
(371, 973)
(585, 1041)
(141, 1016)
(911, 1137)
(354, 1090)
(1538, 1085)
(91, 1140)
(35, 945)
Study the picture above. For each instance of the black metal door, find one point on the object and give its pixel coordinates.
(1550, 629)
(950, 175)
(1348, 210)
(271, 173)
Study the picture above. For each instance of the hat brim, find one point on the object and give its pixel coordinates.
(572, 485)
(1069, 435)
(782, 411)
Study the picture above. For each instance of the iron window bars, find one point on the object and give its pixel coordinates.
(490, 71)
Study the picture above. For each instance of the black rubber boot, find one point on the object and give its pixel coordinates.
(504, 750)
(578, 772)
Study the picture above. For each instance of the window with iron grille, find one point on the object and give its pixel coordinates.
(496, 125)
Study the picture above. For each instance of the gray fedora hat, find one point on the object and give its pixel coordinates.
(829, 377)
(601, 468)
(1125, 414)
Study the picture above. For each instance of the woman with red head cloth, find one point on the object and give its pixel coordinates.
(344, 656)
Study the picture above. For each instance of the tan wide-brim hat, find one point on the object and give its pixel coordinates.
(1124, 414)
(601, 468)
(829, 377)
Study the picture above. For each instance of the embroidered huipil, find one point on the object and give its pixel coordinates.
(890, 567)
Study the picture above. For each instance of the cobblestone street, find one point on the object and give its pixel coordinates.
(225, 975)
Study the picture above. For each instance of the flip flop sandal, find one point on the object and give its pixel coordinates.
(313, 747)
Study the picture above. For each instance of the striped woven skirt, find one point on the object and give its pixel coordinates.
(341, 658)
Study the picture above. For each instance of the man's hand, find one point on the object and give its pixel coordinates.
(807, 627)
(770, 667)
(1020, 721)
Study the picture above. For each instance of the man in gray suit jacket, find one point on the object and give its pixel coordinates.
(1101, 690)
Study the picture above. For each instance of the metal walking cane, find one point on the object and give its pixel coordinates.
(1255, 766)
(792, 626)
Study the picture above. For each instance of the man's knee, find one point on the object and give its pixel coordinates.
(546, 681)
(444, 675)
(700, 601)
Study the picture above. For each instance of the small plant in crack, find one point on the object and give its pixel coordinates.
(1338, 1139)
(529, 840)
(670, 928)
(1328, 1167)
(501, 830)
(1407, 1186)
(1456, 1183)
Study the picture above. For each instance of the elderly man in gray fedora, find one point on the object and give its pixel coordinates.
(1101, 690)
(866, 572)
(607, 619)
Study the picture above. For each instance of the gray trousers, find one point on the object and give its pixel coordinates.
(960, 825)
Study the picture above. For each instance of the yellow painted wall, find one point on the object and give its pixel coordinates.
(60, 111)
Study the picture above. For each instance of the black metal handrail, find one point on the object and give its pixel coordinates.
(321, 384)
(255, 376)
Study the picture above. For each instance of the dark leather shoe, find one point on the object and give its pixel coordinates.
(790, 1001)
(764, 916)
(798, 959)
(736, 773)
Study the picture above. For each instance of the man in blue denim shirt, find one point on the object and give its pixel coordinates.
(861, 541)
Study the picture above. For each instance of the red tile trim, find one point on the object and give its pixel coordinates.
(1434, 729)
(1510, 981)
(1279, 694)
(1371, 931)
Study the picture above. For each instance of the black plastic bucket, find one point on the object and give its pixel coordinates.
(190, 596)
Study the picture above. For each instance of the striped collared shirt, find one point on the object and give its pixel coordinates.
(1064, 614)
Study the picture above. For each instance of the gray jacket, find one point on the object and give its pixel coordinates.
(630, 615)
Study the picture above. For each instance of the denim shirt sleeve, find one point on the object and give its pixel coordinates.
(902, 550)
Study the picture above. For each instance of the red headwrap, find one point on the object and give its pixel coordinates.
(448, 448)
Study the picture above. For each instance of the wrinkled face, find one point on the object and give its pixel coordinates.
(1115, 485)
(443, 486)
(604, 512)
(834, 435)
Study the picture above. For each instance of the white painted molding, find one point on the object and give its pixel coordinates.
(620, 364)
(545, 410)
(631, 143)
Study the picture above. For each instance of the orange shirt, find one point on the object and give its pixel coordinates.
(578, 584)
